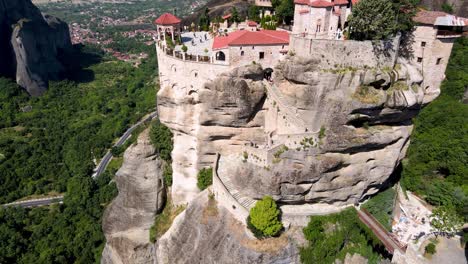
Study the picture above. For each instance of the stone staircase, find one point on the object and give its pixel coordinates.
(280, 101)
(243, 200)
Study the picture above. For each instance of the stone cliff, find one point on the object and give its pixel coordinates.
(318, 134)
(128, 218)
(208, 233)
(31, 45)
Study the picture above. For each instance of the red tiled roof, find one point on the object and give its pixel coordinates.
(438, 18)
(341, 2)
(227, 16)
(428, 17)
(167, 19)
(322, 3)
(354, 1)
(249, 38)
(252, 23)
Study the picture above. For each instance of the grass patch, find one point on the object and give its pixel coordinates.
(367, 95)
(163, 221)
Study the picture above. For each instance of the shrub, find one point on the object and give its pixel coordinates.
(161, 137)
(322, 132)
(167, 174)
(264, 218)
(117, 151)
(205, 178)
(184, 48)
(430, 249)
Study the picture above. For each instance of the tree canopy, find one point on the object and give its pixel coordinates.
(380, 19)
(436, 164)
(333, 236)
(264, 217)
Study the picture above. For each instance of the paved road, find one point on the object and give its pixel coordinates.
(101, 167)
(36, 202)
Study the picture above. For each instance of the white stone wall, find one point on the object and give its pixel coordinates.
(349, 53)
(306, 23)
(182, 79)
(272, 54)
(433, 57)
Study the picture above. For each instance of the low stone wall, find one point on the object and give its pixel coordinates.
(336, 54)
(224, 198)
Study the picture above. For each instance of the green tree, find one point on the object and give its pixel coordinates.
(161, 137)
(205, 178)
(380, 19)
(204, 20)
(284, 10)
(430, 248)
(254, 13)
(445, 220)
(235, 17)
(446, 7)
(265, 217)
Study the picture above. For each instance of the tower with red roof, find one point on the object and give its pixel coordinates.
(167, 25)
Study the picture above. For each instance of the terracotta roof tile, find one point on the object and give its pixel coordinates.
(322, 3)
(249, 38)
(167, 19)
(438, 18)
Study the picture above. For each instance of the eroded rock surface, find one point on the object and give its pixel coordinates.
(346, 129)
(207, 233)
(128, 218)
(31, 45)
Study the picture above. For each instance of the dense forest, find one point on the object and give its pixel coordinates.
(436, 167)
(48, 144)
(332, 237)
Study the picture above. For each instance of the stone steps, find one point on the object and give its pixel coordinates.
(244, 201)
(278, 98)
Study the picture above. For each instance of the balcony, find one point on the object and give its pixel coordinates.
(448, 34)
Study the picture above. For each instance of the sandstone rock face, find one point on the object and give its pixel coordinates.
(222, 116)
(128, 218)
(358, 123)
(205, 233)
(316, 135)
(31, 44)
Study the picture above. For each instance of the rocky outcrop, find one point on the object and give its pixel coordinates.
(128, 218)
(316, 135)
(224, 115)
(359, 123)
(207, 233)
(31, 45)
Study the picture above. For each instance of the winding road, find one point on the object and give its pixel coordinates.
(101, 167)
(36, 202)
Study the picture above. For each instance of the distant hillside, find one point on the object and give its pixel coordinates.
(219, 8)
(460, 7)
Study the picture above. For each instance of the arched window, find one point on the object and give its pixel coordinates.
(242, 53)
(220, 56)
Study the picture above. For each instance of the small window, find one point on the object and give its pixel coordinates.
(423, 44)
(242, 53)
(439, 60)
(419, 59)
(253, 47)
(261, 55)
(240, 48)
(196, 74)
